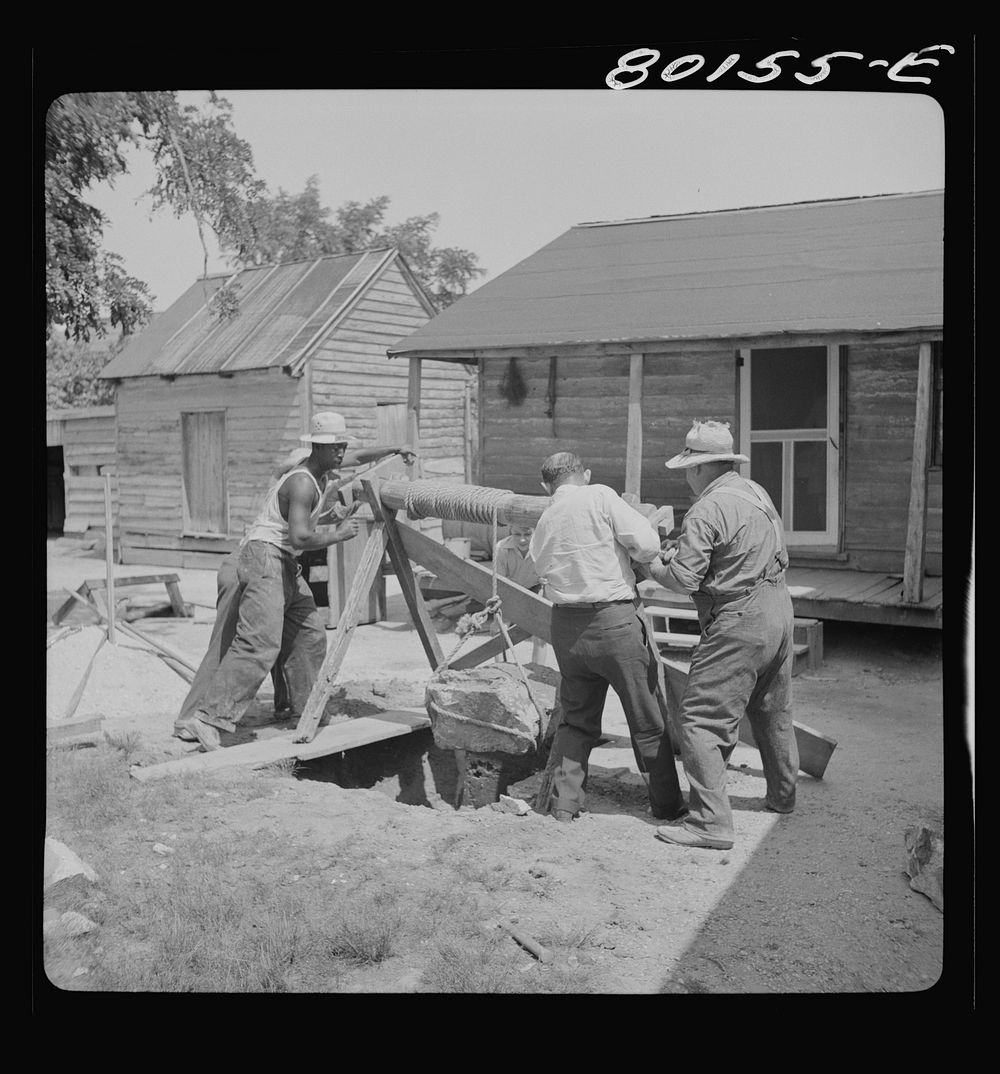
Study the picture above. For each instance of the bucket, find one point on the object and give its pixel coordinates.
(459, 546)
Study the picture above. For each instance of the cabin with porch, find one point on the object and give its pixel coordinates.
(814, 329)
(205, 405)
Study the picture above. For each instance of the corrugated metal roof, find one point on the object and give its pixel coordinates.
(871, 263)
(282, 308)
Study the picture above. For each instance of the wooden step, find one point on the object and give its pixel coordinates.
(345, 734)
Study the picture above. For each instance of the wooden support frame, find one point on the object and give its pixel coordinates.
(368, 568)
(916, 526)
(404, 573)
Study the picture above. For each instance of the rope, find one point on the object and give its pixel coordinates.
(469, 625)
(462, 503)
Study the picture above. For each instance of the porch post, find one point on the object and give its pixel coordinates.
(916, 528)
(413, 409)
(633, 449)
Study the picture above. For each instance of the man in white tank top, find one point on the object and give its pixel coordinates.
(266, 614)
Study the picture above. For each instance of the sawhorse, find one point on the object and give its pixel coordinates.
(97, 587)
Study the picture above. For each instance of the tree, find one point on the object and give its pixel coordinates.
(71, 372)
(293, 227)
(202, 167)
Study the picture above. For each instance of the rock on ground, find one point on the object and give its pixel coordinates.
(69, 924)
(483, 709)
(925, 862)
(62, 864)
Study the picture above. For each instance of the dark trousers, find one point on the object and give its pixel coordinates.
(595, 649)
(742, 665)
(276, 622)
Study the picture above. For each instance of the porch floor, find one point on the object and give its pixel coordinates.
(854, 596)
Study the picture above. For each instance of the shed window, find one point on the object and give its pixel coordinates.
(789, 422)
(203, 449)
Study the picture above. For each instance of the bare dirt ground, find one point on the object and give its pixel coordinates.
(814, 902)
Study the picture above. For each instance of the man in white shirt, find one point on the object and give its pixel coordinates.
(582, 548)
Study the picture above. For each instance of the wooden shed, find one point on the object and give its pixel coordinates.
(80, 448)
(814, 328)
(206, 406)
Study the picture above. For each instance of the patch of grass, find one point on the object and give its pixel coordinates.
(204, 925)
(480, 966)
(128, 743)
(283, 768)
(365, 929)
(573, 936)
(494, 965)
(86, 790)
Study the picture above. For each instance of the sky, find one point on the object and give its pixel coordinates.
(510, 170)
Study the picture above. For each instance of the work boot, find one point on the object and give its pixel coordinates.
(564, 816)
(685, 837)
(204, 733)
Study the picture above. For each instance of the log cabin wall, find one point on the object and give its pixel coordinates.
(880, 405)
(591, 417)
(264, 416)
(351, 374)
(88, 443)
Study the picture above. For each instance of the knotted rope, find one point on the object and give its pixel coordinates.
(471, 623)
(462, 503)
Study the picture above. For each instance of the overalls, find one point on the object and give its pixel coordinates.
(742, 665)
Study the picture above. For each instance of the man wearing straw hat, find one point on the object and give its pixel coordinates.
(266, 617)
(730, 557)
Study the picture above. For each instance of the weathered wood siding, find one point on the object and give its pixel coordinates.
(591, 417)
(88, 443)
(264, 416)
(880, 405)
(351, 374)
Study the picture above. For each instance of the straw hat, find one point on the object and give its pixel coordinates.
(708, 441)
(326, 427)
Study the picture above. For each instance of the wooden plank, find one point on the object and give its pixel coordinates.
(336, 737)
(60, 613)
(74, 700)
(342, 562)
(368, 569)
(413, 405)
(521, 606)
(133, 579)
(815, 748)
(933, 590)
(489, 649)
(917, 615)
(411, 591)
(72, 729)
(633, 444)
(878, 591)
(916, 526)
